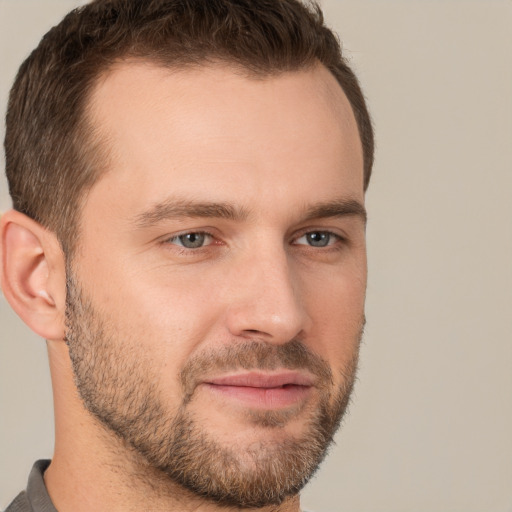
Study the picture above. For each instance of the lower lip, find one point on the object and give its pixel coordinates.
(263, 398)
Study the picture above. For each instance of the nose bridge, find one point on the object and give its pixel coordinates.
(266, 299)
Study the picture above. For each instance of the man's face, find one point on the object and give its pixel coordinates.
(215, 302)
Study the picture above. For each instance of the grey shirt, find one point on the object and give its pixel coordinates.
(35, 498)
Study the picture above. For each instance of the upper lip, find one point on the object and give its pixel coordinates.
(263, 380)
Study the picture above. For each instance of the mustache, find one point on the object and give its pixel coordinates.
(254, 355)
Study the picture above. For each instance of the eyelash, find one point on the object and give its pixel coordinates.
(333, 240)
(175, 238)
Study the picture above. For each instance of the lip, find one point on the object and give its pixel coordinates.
(263, 380)
(263, 390)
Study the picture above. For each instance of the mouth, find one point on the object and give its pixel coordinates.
(259, 390)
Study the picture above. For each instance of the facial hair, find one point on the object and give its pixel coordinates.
(119, 389)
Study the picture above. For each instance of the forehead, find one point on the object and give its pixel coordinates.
(196, 128)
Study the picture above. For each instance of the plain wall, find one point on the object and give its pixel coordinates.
(431, 421)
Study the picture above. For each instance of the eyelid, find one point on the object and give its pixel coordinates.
(214, 239)
(340, 237)
(170, 239)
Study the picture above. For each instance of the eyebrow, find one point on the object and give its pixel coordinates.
(337, 208)
(174, 208)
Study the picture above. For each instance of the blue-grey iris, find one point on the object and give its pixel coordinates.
(318, 238)
(192, 240)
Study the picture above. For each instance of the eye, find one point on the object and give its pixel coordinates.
(318, 239)
(193, 240)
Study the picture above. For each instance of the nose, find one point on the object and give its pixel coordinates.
(265, 301)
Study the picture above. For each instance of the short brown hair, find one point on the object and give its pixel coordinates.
(51, 156)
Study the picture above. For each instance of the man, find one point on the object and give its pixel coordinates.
(188, 235)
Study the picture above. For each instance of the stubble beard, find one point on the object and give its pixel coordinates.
(119, 390)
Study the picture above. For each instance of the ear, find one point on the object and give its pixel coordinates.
(33, 277)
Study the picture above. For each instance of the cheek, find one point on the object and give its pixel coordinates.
(156, 318)
(170, 313)
(337, 312)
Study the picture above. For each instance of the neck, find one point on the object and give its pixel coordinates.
(93, 469)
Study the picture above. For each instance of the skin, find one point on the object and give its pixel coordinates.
(273, 150)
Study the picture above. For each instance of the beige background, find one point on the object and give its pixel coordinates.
(430, 427)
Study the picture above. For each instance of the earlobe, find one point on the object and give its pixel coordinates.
(33, 274)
